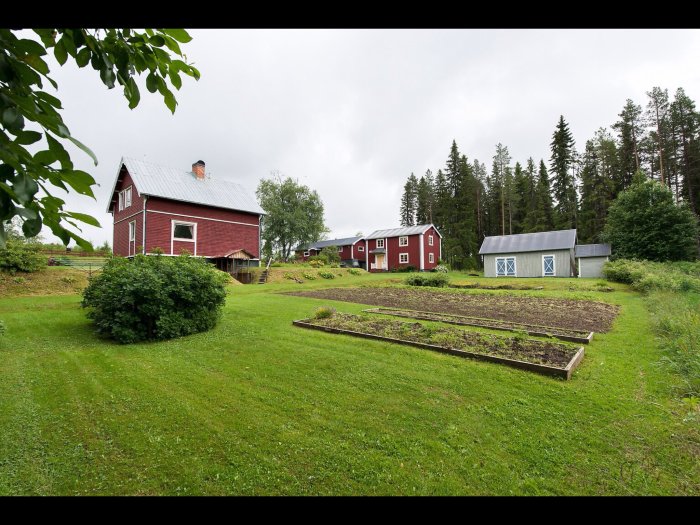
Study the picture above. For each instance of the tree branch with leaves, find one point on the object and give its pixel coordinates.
(119, 55)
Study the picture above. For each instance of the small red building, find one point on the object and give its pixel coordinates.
(156, 207)
(350, 249)
(418, 246)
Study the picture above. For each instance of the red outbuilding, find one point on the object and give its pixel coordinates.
(417, 246)
(170, 210)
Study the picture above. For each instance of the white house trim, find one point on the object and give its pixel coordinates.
(129, 217)
(145, 198)
(383, 243)
(422, 254)
(403, 237)
(505, 262)
(172, 234)
(204, 218)
(401, 254)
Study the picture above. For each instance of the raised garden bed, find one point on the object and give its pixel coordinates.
(574, 336)
(544, 357)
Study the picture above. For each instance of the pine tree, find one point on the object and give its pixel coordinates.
(441, 202)
(521, 198)
(481, 177)
(424, 199)
(543, 215)
(531, 207)
(600, 165)
(686, 125)
(563, 180)
(630, 132)
(408, 201)
(657, 117)
(500, 181)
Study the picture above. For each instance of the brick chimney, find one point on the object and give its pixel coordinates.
(198, 169)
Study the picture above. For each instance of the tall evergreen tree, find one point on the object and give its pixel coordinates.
(424, 199)
(657, 117)
(531, 204)
(500, 183)
(481, 176)
(686, 126)
(520, 199)
(630, 131)
(408, 201)
(563, 180)
(597, 182)
(441, 202)
(543, 219)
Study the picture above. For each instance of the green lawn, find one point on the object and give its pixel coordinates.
(257, 406)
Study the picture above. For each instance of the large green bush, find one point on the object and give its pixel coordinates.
(647, 276)
(21, 256)
(431, 279)
(155, 297)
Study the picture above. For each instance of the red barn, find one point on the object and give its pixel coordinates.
(418, 246)
(350, 249)
(156, 207)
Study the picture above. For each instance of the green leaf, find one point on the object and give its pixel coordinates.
(84, 148)
(30, 47)
(178, 34)
(79, 180)
(83, 57)
(37, 63)
(152, 82)
(134, 92)
(25, 187)
(87, 219)
(45, 157)
(172, 45)
(169, 99)
(175, 79)
(31, 227)
(50, 99)
(12, 119)
(107, 76)
(156, 40)
(27, 137)
(60, 152)
(27, 213)
(60, 53)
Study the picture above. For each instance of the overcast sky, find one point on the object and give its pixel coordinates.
(351, 113)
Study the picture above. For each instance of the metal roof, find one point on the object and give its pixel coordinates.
(592, 250)
(395, 232)
(181, 185)
(529, 242)
(332, 242)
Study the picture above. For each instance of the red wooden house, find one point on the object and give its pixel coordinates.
(350, 249)
(156, 207)
(418, 246)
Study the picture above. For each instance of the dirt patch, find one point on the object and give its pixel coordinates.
(521, 349)
(570, 314)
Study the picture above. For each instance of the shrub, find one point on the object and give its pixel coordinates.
(68, 279)
(324, 312)
(330, 255)
(308, 276)
(2, 327)
(326, 275)
(404, 268)
(420, 279)
(354, 271)
(288, 275)
(21, 256)
(155, 297)
(441, 268)
(647, 276)
(316, 263)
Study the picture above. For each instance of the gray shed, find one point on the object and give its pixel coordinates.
(542, 254)
(590, 259)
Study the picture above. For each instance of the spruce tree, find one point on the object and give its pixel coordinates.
(686, 126)
(563, 181)
(500, 181)
(543, 214)
(657, 117)
(630, 132)
(408, 201)
(521, 198)
(424, 199)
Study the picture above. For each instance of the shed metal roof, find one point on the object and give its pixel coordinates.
(395, 232)
(593, 250)
(529, 242)
(182, 185)
(346, 241)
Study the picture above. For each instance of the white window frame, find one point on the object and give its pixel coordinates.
(306, 254)
(401, 257)
(127, 197)
(173, 239)
(121, 200)
(430, 241)
(431, 258)
(505, 262)
(378, 241)
(554, 265)
(340, 249)
(132, 231)
(360, 248)
(403, 240)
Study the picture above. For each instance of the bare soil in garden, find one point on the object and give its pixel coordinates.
(518, 348)
(569, 314)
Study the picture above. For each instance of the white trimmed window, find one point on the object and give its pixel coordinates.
(340, 249)
(403, 258)
(184, 231)
(127, 197)
(132, 231)
(306, 254)
(403, 241)
(360, 248)
(430, 240)
(548, 266)
(431, 258)
(505, 267)
(121, 200)
(380, 243)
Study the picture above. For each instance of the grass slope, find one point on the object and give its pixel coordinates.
(257, 406)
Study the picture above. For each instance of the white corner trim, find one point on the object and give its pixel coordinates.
(422, 252)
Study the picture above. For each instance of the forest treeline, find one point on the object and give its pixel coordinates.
(573, 189)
